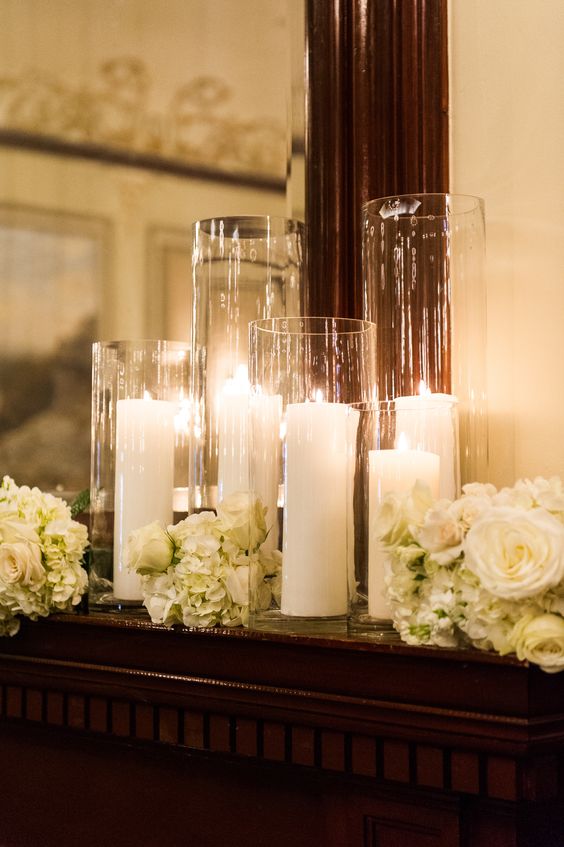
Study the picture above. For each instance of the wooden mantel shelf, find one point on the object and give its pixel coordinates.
(306, 740)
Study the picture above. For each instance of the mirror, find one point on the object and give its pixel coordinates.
(121, 123)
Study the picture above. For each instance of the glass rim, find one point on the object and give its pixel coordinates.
(473, 203)
(356, 326)
(429, 403)
(142, 342)
(258, 226)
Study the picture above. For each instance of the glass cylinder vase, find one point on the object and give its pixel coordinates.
(397, 445)
(244, 269)
(303, 373)
(424, 286)
(141, 421)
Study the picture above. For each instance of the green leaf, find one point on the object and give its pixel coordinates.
(80, 503)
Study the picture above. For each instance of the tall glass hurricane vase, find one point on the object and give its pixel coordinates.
(141, 420)
(424, 286)
(398, 445)
(303, 373)
(244, 269)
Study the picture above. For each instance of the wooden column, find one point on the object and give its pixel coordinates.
(377, 124)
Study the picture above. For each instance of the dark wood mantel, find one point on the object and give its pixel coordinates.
(118, 731)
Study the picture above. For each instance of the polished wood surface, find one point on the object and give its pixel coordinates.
(187, 736)
(377, 116)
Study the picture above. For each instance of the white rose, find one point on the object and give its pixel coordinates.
(389, 524)
(540, 640)
(243, 517)
(548, 493)
(468, 508)
(553, 600)
(237, 583)
(418, 502)
(157, 606)
(441, 535)
(517, 498)
(21, 563)
(483, 490)
(159, 598)
(149, 549)
(14, 531)
(516, 553)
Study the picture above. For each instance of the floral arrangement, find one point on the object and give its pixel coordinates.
(196, 572)
(41, 550)
(486, 569)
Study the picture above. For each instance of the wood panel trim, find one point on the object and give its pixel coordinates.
(381, 759)
(225, 694)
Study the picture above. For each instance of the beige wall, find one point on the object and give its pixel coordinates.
(507, 145)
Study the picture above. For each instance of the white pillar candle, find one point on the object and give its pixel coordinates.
(233, 439)
(432, 420)
(314, 570)
(393, 471)
(144, 479)
(266, 412)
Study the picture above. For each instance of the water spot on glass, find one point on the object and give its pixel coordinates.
(413, 232)
(253, 254)
(413, 220)
(430, 217)
(371, 230)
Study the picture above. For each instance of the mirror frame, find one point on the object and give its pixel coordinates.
(376, 124)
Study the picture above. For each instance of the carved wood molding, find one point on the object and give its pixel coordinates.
(197, 129)
(227, 694)
(384, 760)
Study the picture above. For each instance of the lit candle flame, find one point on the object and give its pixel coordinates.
(242, 374)
(183, 418)
(423, 390)
(402, 442)
(239, 383)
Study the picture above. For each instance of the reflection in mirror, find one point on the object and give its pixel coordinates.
(121, 123)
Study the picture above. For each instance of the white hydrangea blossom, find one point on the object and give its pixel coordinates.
(486, 569)
(41, 550)
(201, 579)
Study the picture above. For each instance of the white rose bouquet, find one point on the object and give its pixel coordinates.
(196, 572)
(486, 569)
(41, 551)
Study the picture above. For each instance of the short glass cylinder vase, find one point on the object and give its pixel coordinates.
(303, 373)
(141, 421)
(243, 269)
(424, 286)
(397, 445)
